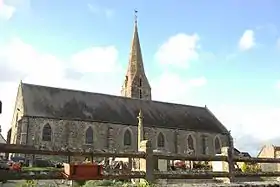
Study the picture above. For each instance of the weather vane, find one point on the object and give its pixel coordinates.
(135, 15)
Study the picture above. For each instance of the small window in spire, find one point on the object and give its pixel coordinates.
(126, 79)
(140, 82)
(140, 94)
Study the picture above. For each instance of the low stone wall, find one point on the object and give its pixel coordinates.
(244, 184)
(190, 181)
(241, 181)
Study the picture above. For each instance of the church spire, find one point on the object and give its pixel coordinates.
(135, 58)
(136, 84)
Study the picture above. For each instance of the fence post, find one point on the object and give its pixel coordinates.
(228, 165)
(147, 164)
(230, 158)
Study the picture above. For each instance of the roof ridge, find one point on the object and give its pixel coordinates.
(116, 96)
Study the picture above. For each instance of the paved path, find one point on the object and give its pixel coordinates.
(49, 183)
(11, 184)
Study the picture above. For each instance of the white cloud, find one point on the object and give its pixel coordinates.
(99, 10)
(258, 122)
(8, 8)
(23, 58)
(179, 50)
(92, 8)
(277, 85)
(98, 66)
(172, 87)
(96, 59)
(164, 87)
(247, 40)
(6, 11)
(109, 13)
(198, 82)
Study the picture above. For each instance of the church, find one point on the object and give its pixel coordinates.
(57, 117)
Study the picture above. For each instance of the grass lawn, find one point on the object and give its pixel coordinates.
(41, 169)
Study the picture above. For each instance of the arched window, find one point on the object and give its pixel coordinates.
(140, 82)
(127, 138)
(217, 146)
(126, 79)
(204, 144)
(160, 140)
(89, 136)
(140, 94)
(47, 133)
(190, 143)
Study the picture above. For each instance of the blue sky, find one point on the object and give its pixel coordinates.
(239, 85)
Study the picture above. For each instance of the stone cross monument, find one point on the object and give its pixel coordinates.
(140, 128)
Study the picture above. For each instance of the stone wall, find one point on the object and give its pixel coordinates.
(17, 115)
(211, 184)
(110, 136)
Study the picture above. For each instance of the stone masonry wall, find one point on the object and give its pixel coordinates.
(110, 136)
(17, 115)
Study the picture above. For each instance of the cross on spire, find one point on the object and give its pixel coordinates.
(135, 15)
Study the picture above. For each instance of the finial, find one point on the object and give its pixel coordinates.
(140, 115)
(135, 16)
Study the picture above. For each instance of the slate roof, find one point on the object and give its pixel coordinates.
(246, 154)
(49, 102)
(238, 153)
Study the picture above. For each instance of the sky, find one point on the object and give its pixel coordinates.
(223, 54)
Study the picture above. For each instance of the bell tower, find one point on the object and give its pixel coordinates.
(136, 84)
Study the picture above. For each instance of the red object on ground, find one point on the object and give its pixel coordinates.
(16, 167)
(82, 171)
(180, 164)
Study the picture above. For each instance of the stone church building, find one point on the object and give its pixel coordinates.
(58, 117)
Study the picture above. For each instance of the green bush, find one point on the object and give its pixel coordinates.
(115, 183)
(144, 183)
(28, 183)
(248, 167)
(80, 182)
(93, 183)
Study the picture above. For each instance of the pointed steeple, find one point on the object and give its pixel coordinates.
(135, 57)
(136, 84)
